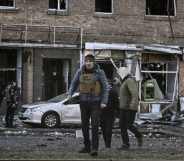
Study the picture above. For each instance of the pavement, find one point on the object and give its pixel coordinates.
(29, 143)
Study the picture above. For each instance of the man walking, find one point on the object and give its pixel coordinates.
(93, 88)
(128, 107)
(108, 114)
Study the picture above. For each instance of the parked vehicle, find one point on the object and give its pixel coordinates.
(52, 113)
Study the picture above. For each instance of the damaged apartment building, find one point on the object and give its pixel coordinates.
(42, 43)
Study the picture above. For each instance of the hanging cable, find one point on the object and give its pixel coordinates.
(170, 23)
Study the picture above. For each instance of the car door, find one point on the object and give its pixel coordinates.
(71, 111)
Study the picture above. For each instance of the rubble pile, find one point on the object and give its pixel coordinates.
(166, 122)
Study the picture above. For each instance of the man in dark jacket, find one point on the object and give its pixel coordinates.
(93, 88)
(12, 98)
(108, 114)
(128, 107)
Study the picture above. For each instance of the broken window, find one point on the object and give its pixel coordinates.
(58, 4)
(103, 6)
(159, 80)
(160, 7)
(7, 3)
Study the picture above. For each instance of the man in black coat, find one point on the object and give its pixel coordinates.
(12, 99)
(108, 113)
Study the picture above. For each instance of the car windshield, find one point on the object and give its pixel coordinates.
(58, 98)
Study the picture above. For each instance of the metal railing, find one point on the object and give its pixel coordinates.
(40, 34)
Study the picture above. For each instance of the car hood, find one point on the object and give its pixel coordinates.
(38, 104)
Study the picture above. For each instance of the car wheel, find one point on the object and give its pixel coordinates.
(50, 120)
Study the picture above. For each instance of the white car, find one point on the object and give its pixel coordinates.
(52, 113)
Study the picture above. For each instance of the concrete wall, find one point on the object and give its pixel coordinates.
(27, 73)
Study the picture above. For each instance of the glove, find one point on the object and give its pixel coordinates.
(102, 105)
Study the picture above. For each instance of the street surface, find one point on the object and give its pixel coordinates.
(39, 143)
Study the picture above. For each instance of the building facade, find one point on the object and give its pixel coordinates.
(46, 39)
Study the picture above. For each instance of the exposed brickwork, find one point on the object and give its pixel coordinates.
(128, 23)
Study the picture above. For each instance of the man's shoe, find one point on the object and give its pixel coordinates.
(94, 153)
(139, 141)
(124, 147)
(85, 150)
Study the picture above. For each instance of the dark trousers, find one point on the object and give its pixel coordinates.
(127, 118)
(106, 122)
(90, 110)
(10, 116)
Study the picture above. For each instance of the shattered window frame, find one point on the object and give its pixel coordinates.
(104, 9)
(161, 8)
(57, 5)
(168, 73)
(7, 4)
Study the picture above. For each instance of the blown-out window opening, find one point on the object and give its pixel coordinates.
(159, 80)
(104, 6)
(161, 7)
(7, 3)
(58, 4)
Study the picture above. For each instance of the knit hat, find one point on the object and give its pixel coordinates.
(123, 72)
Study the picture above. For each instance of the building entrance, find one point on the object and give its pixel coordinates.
(55, 77)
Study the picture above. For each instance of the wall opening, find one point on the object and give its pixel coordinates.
(6, 3)
(104, 6)
(161, 73)
(8, 72)
(8, 64)
(55, 77)
(160, 77)
(160, 7)
(57, 4)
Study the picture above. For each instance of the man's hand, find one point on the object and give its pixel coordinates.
(102, 105)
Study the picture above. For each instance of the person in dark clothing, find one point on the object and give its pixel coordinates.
(12, 98)
(108, 114)
(93, 89)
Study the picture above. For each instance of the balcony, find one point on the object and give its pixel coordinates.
(40, 36)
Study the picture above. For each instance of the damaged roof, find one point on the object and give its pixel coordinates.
(163, 48)
(111, 46)
(171, 49)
